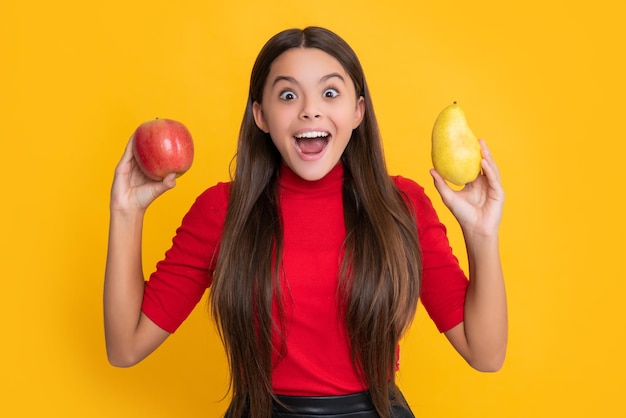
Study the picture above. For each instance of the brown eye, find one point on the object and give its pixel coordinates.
(330, 93)
(287, 95)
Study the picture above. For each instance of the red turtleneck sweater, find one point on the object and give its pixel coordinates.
(318, 361)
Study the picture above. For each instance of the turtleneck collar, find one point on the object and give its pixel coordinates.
(289, 180)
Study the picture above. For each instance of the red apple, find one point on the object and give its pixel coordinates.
(163, 146)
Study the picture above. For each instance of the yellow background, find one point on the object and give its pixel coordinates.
(542, 81)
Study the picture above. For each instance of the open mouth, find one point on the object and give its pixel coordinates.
(312, 143)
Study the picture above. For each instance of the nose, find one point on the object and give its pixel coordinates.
(310, 109)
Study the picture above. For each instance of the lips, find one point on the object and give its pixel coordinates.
(311, 143)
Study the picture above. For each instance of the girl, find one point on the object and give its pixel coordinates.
(314, 255)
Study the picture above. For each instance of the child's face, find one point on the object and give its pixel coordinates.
(309, 109)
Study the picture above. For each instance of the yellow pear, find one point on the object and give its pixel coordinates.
(455, 150)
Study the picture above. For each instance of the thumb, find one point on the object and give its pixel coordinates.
(168, 182)
(148, 193)
(447, 194)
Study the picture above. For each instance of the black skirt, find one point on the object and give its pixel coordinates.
(357, 405)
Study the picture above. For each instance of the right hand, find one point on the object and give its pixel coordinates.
(132, 189)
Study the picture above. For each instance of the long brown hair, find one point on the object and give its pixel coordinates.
(379, 280)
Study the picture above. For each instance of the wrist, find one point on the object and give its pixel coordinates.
(126, 216)
(480, 241)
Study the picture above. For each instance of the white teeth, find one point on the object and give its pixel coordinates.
(313, 134)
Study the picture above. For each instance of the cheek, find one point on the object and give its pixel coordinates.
(350, 120)
(279, 120)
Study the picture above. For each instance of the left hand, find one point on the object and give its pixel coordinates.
(478, 206)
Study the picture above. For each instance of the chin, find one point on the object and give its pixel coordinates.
(313, 173)
(311, 176)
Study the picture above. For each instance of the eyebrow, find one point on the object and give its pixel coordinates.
(294, 81)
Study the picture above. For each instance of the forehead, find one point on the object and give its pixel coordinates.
(305, 63)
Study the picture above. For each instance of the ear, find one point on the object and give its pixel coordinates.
(259, 118)
(359, 112)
